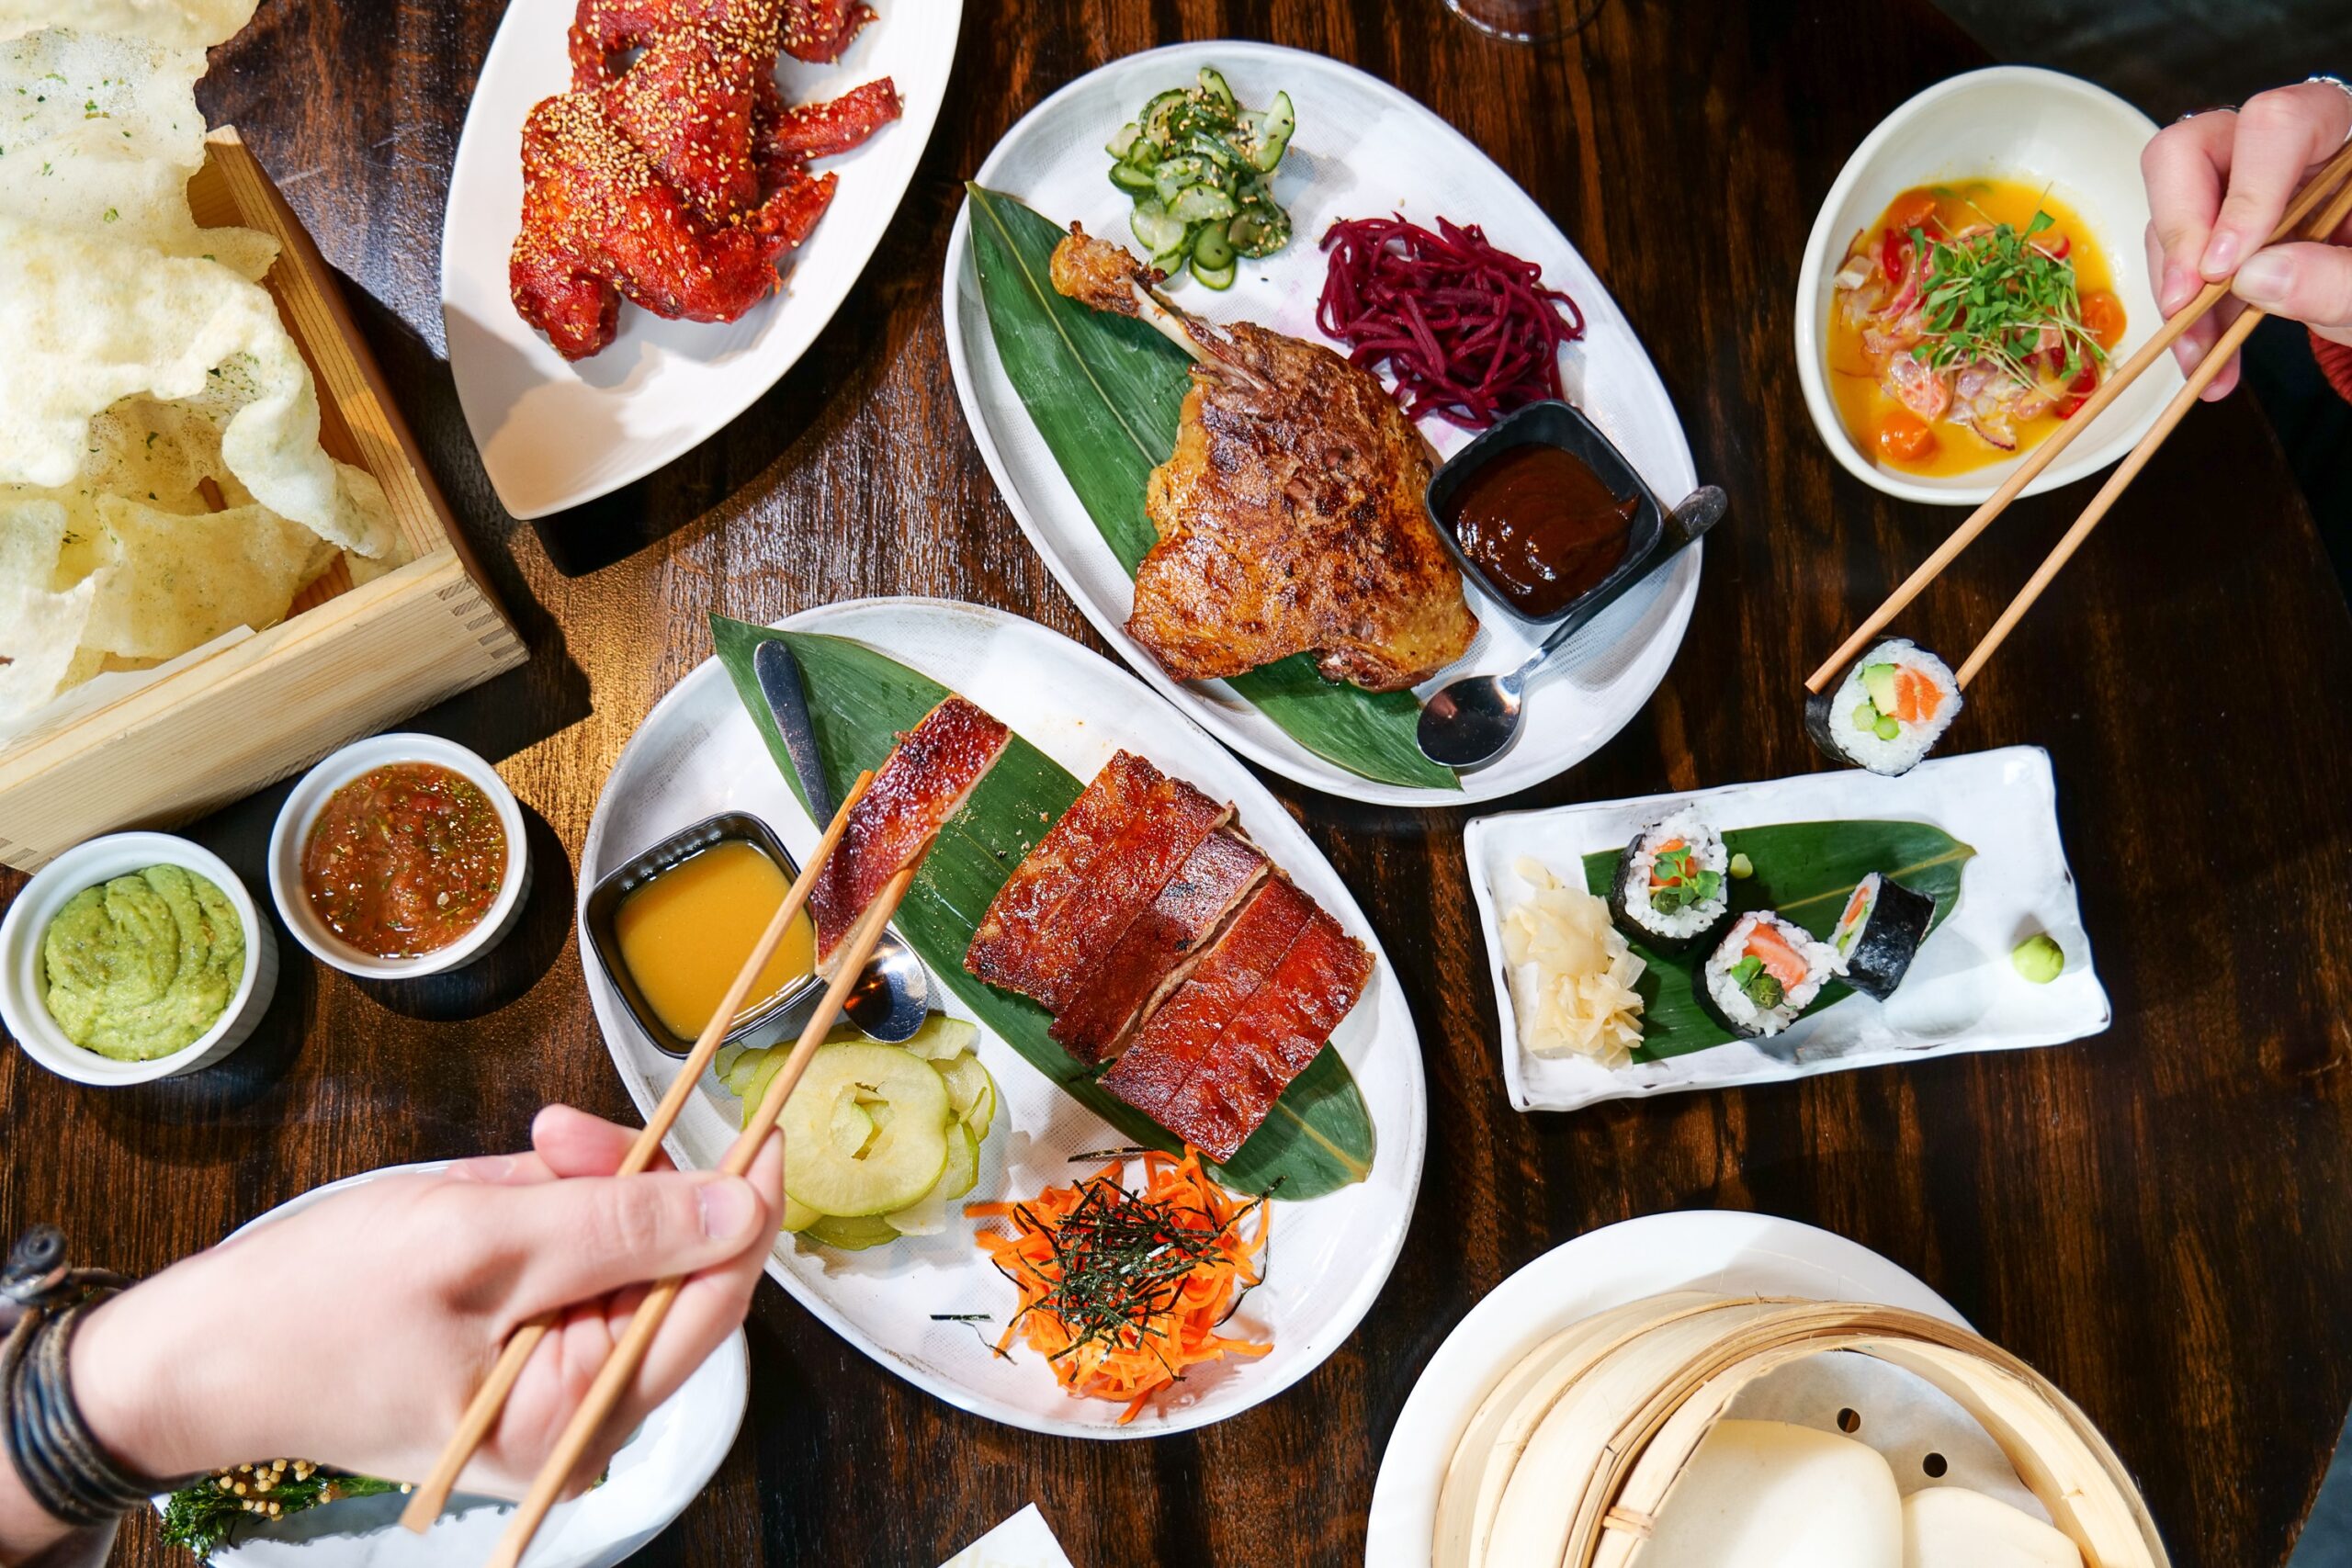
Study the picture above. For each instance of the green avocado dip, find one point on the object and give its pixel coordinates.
(141, 966)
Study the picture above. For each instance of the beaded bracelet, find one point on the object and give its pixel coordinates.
(63, 1466)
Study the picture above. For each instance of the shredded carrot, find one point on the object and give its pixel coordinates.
(1123, 1291)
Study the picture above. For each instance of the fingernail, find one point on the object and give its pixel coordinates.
(2178, 286)
(2221, 254)
(729, 1206)
(2264, 279)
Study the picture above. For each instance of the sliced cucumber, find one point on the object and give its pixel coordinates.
(1209, 144)
(1170, 262)
(1155, 231)
(1133, 178)
(970, 1090)
(1213, 84)
(1213, 276)
(797, 1216)
(1203, 203)
(1211, 248)
(1160, 112)
(928, 1214)
(851, 1235)
(1268, 131)
(942, 1038)
(907, 1151)
(1259, 230)
(1176, 175)
(1119, 146)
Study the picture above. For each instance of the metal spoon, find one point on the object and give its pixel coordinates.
(893, 995)
(1474, 719)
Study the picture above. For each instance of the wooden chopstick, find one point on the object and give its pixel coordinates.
(2125, 471)
(2042, 457)
(621, 1366)
(432, 1495)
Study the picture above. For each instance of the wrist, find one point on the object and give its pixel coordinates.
(138, 1362)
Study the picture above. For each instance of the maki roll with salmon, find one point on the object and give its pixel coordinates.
(1766, 972)
(1879, 934)
(1671, 887)
(1889, 708)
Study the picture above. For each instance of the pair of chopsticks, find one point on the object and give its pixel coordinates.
(2337, 169)
(432, 1495)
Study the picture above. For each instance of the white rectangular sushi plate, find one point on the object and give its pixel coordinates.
(1962, 993)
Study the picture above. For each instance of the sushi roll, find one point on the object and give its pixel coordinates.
(1888, 710)
(1880, 933)
(1671, 887)
(1767, 970)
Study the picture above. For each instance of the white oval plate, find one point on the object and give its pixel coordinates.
(554, 434)
(697, 754)
(2081, 141)
(1961, 995)
(662, 1469)
(1362, 149)
(1736, 1253)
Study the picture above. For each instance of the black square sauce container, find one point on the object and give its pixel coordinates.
(764, 1026)
(1650, 538)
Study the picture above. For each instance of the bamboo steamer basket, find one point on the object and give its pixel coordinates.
(1631, 1399)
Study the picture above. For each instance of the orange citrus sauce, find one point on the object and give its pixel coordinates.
(684, 935)
(1888, 432)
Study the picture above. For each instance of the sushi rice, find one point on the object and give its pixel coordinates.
(1807, 962)
(1631, 900)
(1888, 742)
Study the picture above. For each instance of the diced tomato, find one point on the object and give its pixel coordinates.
(1783, 963)
(2054, 246)
(1915, 210)
(2103, 317)
(1914, 696)
(1903, 435)
(2079, 390)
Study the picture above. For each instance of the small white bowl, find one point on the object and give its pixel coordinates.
(2017, 122)
(292, 833)
(23, 978)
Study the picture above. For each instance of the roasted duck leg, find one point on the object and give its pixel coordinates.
(1291, 516)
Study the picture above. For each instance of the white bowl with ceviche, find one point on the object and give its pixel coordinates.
(398, 856)
(2025, 179)
(335, 1520)
(134, 958)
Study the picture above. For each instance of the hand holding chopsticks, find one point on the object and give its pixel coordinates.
(2298, 218)
(481, 1415)
(622, 1366)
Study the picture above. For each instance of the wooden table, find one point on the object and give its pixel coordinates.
(2157, 1217)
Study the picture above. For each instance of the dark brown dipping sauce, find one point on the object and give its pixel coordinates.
(1541, 525)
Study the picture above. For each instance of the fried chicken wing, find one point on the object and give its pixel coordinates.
(674, 173)
(1291, 516)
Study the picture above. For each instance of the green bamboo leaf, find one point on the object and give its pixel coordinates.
(1804, 870)
(1319, 1137)
(1106, 392)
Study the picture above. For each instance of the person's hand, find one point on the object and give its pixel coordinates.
(355, 1333)
(2218, 184)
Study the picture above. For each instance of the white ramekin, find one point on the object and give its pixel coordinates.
(292, 832)
(2021, 122)
(24, 978)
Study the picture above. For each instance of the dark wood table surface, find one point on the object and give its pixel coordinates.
(2157, 1217)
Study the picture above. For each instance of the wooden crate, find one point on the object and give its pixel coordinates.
(347, 662)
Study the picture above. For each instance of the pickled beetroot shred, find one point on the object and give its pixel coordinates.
(1468, 332)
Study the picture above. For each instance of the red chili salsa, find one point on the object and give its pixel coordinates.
(405, 859)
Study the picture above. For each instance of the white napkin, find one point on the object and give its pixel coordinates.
(1025, 1540)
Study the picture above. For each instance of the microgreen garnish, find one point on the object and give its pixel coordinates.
(1988, 295)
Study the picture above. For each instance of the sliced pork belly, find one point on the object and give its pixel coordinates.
(919, 786)
(1178, 1040)
(1160, 946)
(1066, 906)
(1285, 1026)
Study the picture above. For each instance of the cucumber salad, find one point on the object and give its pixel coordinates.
(1201, 170)
(878, 1140)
